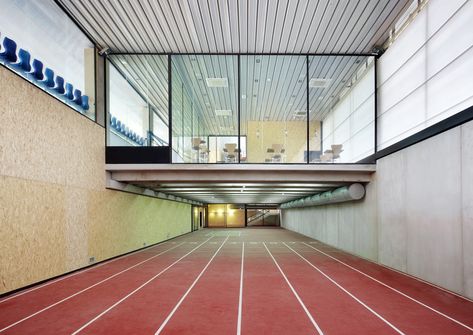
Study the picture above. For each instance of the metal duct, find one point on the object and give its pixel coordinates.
(347, 193)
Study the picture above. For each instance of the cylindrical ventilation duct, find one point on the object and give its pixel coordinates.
(347, 193)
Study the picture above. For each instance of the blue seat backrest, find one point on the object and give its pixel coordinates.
(85, 102)
(78, 97)
(49, 80)
(59, 85)
(24, 57)
(69, 89)
(113, 121)
(9, 54)
(38, 70)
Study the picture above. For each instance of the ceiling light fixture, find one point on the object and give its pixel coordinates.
(217, 82)
(319, 82)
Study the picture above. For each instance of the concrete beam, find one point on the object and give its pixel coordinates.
(208, 173)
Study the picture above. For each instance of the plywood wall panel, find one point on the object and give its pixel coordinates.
(33, 244)
(55, 212)
(44, 140)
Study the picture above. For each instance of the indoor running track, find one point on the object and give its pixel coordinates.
(236, 281)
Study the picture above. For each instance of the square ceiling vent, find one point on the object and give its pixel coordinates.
(319, 82)
(217, 82)
(223, 112)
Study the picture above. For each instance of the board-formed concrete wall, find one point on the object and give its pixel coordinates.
(417, 215)
(55, 213)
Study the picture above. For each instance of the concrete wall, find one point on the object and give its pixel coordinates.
(417, 215)
(350, 226)
(425, 210)
(55, 212)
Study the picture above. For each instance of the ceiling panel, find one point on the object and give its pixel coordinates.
(270, 193)
(222, 26)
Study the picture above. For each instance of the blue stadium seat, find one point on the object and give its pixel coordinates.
(118, 125)
(69, 89)
(37, 70)
(49, 80)
(113, 121)
(85, 102)
(77, 97)
(59, 85)
(9, 54)
(24, 63)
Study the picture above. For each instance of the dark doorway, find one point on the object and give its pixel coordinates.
(262, 216)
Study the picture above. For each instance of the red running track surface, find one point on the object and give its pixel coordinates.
(237, 281)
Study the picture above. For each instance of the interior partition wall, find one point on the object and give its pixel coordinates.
(244, 108)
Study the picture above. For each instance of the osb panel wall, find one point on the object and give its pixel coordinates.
(55, 212)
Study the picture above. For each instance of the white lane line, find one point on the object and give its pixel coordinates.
(86, 289)
(79, 272)
(188, 290)
(137, 289)
(240, 299)
(403, 273)
(392, 288)
(346, 291)
(295, 293)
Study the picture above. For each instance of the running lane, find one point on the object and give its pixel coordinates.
(19, 306)
(212, 305)
(335, 311)
(450, 304)
(64, 317)
(269, 306)
(142, 311)
(406, 315)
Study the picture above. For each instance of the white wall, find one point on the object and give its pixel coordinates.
(425, 76)
(126, 104)
(43, 29)
(351, 122)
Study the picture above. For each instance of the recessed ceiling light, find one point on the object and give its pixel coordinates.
(223, 112)
(321, 97)
(268, 80)
(217, 82)
(258, 60)
(124, 62)
(319, 82)
(243, 96)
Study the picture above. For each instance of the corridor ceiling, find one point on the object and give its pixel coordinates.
(236, 26)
